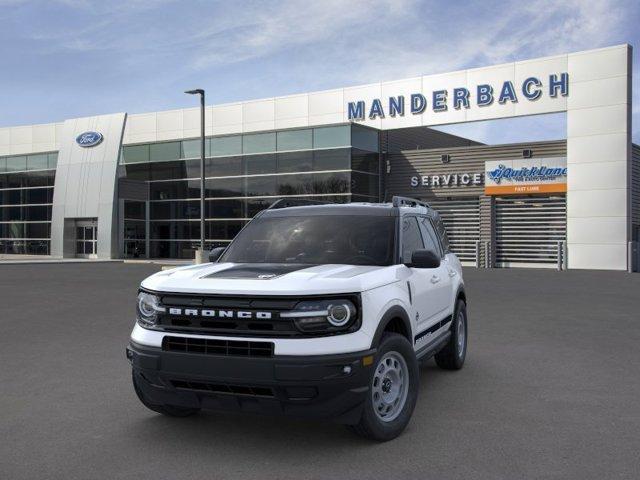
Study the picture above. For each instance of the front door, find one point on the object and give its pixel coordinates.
(87, 238)
(429, 286)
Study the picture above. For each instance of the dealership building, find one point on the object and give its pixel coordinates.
(128, 185)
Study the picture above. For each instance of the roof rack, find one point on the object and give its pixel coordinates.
(295, 202)
(397, 201)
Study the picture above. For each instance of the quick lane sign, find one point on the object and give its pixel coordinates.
(482, 95)
(541, 175)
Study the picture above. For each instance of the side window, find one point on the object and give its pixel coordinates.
(429, 235)
(442, 232)
(411, 238)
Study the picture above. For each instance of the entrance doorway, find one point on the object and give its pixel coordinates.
(87, 238)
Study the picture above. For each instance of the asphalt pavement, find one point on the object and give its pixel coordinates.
(551, 389)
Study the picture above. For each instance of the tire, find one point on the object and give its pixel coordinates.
(395, 354)
(452, 356)
(168, 410)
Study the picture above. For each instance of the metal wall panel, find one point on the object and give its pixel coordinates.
(456, 203)
(528, 230)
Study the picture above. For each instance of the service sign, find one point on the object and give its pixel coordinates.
(524, 176)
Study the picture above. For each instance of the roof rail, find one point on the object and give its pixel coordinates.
(397, 201)
(295, 202)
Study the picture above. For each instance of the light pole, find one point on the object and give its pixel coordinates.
(199, 91)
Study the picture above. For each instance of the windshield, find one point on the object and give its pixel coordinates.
(321, 239)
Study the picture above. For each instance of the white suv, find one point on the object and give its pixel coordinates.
(313, 310)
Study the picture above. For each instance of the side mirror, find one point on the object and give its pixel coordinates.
(424, 259)
(216, 253)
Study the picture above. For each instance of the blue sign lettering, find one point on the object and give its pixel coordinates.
(531, 90)
(507, 93)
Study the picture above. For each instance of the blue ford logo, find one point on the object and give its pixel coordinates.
(89, 139)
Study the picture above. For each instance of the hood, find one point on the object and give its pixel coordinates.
(267, 278)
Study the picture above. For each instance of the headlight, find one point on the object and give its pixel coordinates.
(323, 316)
(148, 307)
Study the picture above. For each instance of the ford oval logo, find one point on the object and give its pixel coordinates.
(89, 139)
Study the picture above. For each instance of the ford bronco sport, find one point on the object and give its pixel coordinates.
(313, 310)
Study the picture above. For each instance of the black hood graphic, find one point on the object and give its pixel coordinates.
(258, 271)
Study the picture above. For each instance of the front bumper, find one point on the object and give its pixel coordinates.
(326, 386)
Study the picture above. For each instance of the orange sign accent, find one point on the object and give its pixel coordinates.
(525, 189)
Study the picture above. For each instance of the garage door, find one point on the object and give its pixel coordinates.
(528, 230)
(461, 217)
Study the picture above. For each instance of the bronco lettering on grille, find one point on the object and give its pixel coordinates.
(192, 312)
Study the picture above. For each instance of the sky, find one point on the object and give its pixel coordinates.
(71, 58)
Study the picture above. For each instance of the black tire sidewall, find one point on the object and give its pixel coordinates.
(378, 429)
(460, 307)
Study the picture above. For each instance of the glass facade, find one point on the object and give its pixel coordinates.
(244, 174)
(26, 196)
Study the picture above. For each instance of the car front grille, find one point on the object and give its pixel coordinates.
(208, 346)
(228, 326)
(254, 391)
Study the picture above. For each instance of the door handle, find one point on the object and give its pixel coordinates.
(452, 273)
(435, 279)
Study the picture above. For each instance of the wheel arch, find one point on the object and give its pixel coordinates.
(395, 319)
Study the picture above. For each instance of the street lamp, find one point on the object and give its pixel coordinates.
(199, 91)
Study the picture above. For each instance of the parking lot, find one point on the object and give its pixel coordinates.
(551, 389)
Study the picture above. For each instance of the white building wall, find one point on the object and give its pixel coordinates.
(598, 110)
(85, 185)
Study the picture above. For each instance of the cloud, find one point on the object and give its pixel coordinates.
(252, 49)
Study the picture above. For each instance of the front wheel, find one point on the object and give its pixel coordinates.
(393, 390)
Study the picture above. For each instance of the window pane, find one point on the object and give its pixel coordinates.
(364, 161)
(255, 164)
(177, 189)
(331, 183)
(295, 140)
(52, 160)
(261, 186)
(223, 166)
(164, 151)
(332, 160)
(135, 154)
(38, 230)
(16, 164)
(224, 208)
(327, 137)
(429, 236)
(133, 209)
(134, 229)
(174, 210)
(3, 166)
(225, 187)
(222, 229)
(168, 170)
(259, 143)
(295, 162)
(411, 238)
(191, 148)
(223, 146)
(364, 184)
(364, 138)
(295, 184)
(137, 171)
(38, 162)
